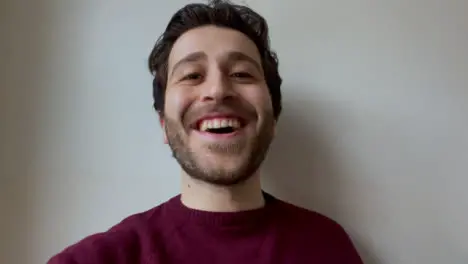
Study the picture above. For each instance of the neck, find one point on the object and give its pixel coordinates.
(204, 196)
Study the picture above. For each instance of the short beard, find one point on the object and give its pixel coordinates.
(187, 158)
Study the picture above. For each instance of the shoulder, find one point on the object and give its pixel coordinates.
(301, 216)
(116, 245)
(309, 221)
(318, 231)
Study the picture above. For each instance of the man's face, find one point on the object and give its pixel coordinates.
(218, 117)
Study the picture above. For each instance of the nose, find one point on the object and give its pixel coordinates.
(217, 88)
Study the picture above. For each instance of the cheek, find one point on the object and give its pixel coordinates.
(259, 97)
(176, 101)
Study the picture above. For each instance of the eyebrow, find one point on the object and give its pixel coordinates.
(231, 56)
(239, 56)
(195, 56)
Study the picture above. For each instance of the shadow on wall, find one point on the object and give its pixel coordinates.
(302, 166)
(24, 42)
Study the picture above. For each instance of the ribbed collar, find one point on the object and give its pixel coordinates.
(181, 214)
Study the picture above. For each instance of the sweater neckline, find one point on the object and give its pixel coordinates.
(182, 214)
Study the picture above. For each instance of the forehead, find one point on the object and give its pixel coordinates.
(214, 42)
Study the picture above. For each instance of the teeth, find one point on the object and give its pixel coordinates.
(219, 123)
(216, 123)
(203, 126)
(224, 123)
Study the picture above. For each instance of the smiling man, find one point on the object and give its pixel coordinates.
(217, 92)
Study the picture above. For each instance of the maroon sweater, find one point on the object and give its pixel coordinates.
(172, 233)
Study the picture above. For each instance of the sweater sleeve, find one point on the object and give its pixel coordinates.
(348, 253)
(62, 258)
(117, 247)
(94, 249)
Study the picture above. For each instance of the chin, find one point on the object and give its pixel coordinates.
(223, 171)
(226, 179)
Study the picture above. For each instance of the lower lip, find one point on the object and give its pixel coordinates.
(214, 136)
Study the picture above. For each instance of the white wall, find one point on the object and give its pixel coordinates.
(374, 133)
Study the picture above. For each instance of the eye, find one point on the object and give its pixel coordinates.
(241, 75)
(192, 76)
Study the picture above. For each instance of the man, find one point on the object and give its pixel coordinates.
(217, 92)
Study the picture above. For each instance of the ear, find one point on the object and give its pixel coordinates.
(162, 122)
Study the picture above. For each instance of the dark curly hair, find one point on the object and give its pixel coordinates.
(220, 13)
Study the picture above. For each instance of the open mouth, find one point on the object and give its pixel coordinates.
(220, 126)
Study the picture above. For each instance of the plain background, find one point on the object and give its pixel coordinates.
(374, 132)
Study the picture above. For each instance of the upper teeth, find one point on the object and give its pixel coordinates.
(219, 123)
